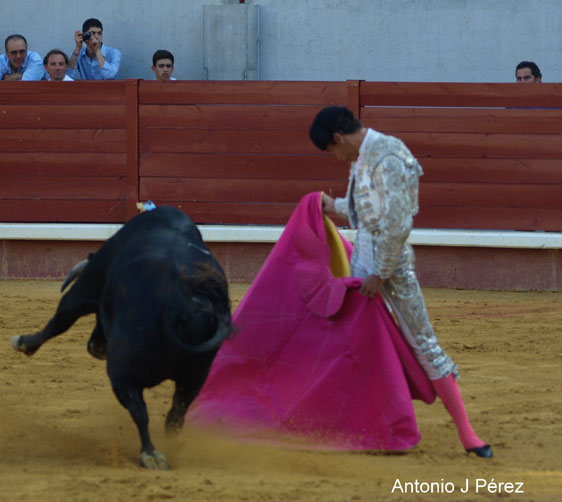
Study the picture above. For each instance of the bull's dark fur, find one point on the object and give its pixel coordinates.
(162, 310)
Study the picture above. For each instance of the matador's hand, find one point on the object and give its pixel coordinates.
(328, 205)
(371, 285)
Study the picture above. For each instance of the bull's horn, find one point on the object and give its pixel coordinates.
(223, 330)
(73, 274)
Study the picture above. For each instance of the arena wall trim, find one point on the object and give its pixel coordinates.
(462, 259)
(270, 234)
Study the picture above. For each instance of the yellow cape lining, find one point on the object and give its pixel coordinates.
(339, 264)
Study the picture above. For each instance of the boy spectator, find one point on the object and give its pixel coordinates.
(56, 63)
(94, 61)
(527, 72)
(18, 63)
(163, 65)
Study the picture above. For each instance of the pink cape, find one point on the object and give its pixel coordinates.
(313, 358)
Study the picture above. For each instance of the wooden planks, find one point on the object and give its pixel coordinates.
(242, 92)
(489, 170)
(239, 152)
(224, 141)
(132, 146)
(234, 116)
(246, 165)
(235, 190)
(62, 116)
(485, 218)
(444, 94)
(63, 211)
(463, 120)
(63, 140)
(507, 195)
(64, 151)
(251, 155)
(540, 146)
(61, 164)
(63, 93)
(229, 213)
(491, 153)
(51, 187)
(476, 153)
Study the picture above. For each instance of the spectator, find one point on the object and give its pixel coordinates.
(94, 61)
(56, 64)
(18, 63)
(527, 72)
(163, 65)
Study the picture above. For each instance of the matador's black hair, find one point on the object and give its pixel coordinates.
(330, 120)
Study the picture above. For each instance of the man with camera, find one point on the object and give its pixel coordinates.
(94, 60)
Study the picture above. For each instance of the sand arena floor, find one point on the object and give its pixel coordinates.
(64, 437)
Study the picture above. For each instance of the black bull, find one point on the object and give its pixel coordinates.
(162, 310)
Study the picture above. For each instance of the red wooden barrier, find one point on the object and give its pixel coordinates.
(64, 152)
(492, 153)
(238, 152)
(235, 152)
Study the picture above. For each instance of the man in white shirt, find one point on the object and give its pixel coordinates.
(56, 63)
(163, 65)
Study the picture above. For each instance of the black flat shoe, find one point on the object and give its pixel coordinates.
(481, 451)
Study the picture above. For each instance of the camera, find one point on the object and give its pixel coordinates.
(86, 36)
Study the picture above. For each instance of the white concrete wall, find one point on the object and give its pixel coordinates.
(387, 40)
(230, 42)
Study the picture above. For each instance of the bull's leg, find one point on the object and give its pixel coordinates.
(131, 398)
(183, 397)
(66, 315)
(97, 344)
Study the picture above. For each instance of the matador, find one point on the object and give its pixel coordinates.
(381, 201)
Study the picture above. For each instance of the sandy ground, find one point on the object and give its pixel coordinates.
(63, 436)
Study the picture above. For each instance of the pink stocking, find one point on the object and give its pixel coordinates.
(448, 390)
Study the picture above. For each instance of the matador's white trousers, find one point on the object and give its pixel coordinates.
(403, 294)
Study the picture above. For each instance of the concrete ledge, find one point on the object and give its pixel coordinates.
(270, 234)
(462, 259)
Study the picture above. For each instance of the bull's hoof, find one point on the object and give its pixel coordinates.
(98, 349)
(155, 461)
(18, 343)
(174, 422)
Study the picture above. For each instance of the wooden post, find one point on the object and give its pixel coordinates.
(354, 97)
(132, 130)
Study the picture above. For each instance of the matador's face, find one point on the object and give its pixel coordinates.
(343, 148)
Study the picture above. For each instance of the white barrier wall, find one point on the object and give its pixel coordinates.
(270, 235)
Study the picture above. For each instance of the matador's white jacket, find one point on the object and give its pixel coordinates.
(381, 201)
(382, 196)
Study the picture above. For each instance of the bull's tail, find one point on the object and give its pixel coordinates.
(207, 282)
